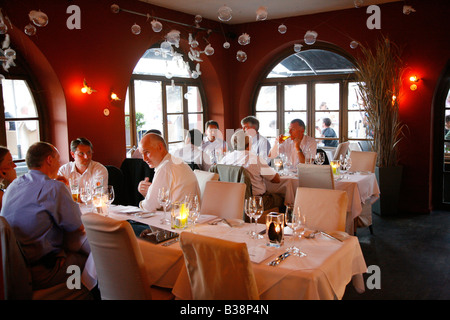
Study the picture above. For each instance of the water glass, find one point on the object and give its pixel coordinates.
(164, 201)
(258, 209)
(320, 158)
(249, 211)
(110, 194)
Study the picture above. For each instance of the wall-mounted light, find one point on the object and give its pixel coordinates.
(414, 79)
(114, 97)
(86, 88)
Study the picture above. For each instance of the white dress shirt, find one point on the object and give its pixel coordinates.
(214, 149)
(261, 146)
(193, 154)
(257, 168)
(307, 144)
(171, 173)
(95, 171)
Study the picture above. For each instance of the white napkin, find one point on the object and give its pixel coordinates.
(124, 209)
(260, 253)
(205, 218)
(233, 222)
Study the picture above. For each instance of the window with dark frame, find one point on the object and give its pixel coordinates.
(162, 96)
(313, 85)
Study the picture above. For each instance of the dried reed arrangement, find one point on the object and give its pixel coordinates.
(379, 73)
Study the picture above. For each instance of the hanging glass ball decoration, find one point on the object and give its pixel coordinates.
(282, 29)
(224, 13)
(241, 56)
(310, 37)
(136, 29)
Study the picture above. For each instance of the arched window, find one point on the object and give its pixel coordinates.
(163, 96)
(317, 86)
(19, 112)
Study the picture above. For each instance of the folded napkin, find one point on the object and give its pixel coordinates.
(205, 218)
(233, 222)
(260, 253)
(125, 209)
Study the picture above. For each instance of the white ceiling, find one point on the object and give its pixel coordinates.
(244, 11)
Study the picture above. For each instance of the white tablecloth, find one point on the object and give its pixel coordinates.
(360, 187)
(323, 274)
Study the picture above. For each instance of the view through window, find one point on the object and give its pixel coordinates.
(162, 96)
(318, 87)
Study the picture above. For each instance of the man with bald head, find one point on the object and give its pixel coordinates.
(170, 172)
(45, 219)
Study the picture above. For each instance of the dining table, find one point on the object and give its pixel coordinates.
(323, 274)
(361, 187)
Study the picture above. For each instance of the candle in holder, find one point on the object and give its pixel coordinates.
(179, 216)
(100, 202)
(275, 229)
(336, 167)
(278, 163)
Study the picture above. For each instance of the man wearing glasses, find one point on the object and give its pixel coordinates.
(83, 168)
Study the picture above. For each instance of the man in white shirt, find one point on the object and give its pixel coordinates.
(191, 152)
(170, 172)
(260, 145)
(298, 147)
(83, 167)
(212, 144)
(256, 166)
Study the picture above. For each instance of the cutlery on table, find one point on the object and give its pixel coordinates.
(280, 258)
(330, 236)
(168, 243)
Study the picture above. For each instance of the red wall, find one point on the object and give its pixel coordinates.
(104, 52)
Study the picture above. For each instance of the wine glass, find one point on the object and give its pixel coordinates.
(258, 209)
(86, 194)
(348, 163)
(164, 201)
(110, 194)
(194, 211)
(248, 209)
(320, 158)
(296, 221)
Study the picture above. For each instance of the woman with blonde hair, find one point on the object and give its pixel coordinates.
(7, 171)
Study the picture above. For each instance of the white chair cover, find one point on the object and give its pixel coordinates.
(118, 259)
(218, 269)
(224, 199)
(325, 209)
(341, 149)
(363, 161)
(315, 176)
(203, 177)
(17, 277)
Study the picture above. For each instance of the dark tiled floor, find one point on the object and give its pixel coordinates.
(413, 253)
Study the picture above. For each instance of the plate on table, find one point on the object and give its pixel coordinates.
(364, 172)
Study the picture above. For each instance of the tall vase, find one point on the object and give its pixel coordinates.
(389, 181)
